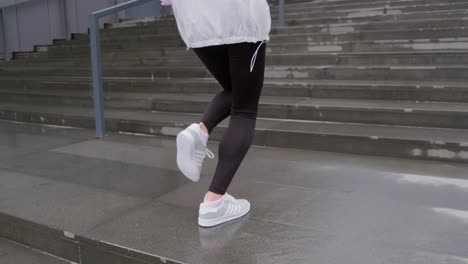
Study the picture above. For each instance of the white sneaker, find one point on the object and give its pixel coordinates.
(231, 209)
(191, 151)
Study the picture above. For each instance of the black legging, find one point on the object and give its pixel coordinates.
(241, 75)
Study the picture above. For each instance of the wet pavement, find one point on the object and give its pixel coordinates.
(308, 207)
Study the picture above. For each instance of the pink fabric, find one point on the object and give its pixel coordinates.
(204, 137)
(166, 2)
(214, 204)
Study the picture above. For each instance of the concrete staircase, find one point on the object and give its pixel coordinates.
(369, 77)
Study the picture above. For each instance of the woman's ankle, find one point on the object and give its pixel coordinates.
(211, 197)
(203, 128)
(204, 136)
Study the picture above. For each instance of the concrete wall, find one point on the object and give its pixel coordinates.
(38, 22)
(146, 10)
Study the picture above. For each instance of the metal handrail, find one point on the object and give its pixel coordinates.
(282, 19)
(6, 50)
(96, 58)
(16, 4)
(96, 55)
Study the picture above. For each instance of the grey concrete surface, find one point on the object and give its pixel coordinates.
(368, 77)
(377, 90)
(13, 253)
(394, 141)
(308, 207)
(421, 114)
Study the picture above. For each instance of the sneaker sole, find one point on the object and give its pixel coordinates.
(223, 220)
(184, 144)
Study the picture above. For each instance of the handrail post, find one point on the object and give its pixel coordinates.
(65, 20)
(6, 49)
(282, 20)
(158, 11)
(97, 76)
(95, 45)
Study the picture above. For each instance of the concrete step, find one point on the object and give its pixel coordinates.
(377, 8)
(349, 72)
(446, 115)
(40, 237)
(14, 253)
(299, 15)
(416, 143)
(407, 34)
(299, 20)
(448, 44)
(428, 45)
(334, 28)
(445, 22)
(367, 77)
(322, 72)
(122, 200)
(386, 45)
(437, 14)
(363, 4)
(126, 59)
(347, 89)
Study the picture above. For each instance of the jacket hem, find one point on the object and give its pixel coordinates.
(225, 41)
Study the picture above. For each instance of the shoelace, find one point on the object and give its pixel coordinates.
(200, 156)
(210, 154)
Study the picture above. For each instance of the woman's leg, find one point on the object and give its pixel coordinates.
(247, 65)
(216, 59)
(191, 142)
(247, 75)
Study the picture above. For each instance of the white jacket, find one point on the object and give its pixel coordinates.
(204, 23)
